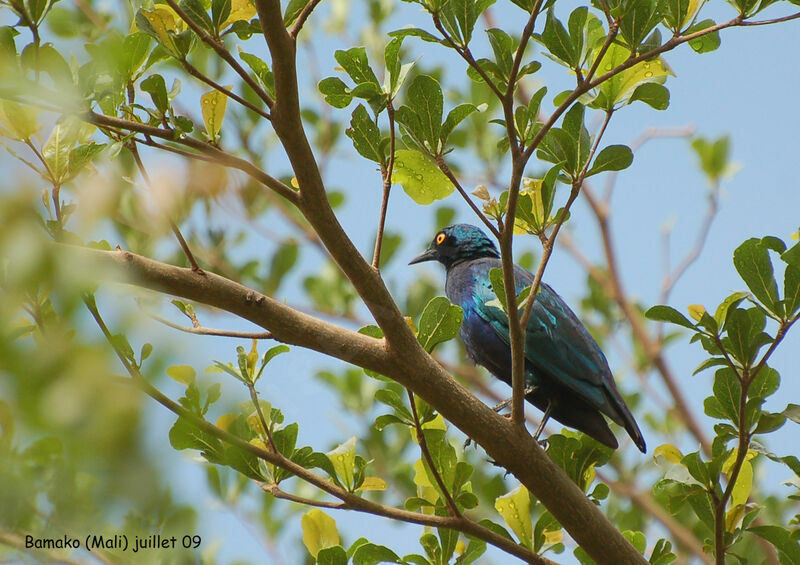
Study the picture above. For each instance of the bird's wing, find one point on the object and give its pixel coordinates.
(556, 343)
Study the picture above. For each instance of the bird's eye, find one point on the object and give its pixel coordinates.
(440, 238)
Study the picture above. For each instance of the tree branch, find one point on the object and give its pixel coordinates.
(301, 19)
(426, 454)
(219, 48)
(411, 367)
(218, 155)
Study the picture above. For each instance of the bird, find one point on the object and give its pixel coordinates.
(566, 372)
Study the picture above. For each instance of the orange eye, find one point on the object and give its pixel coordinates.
(440, 238)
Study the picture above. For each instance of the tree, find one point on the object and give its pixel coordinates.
(81, 118)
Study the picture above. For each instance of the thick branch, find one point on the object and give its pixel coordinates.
(410, 366)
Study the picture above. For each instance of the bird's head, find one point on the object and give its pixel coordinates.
(457, 243)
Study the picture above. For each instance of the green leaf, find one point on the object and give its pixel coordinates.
(422, 114)
(503, 48)
(335, 555)
(293, 9)
(440, 321)
(197, 13)
(365, 135)
(261, 69)
(611, 158)
(59, 144)
(415, 32)
(706, 43)
(765, 383)
(781, 538)
(515, 508)
(791, 290)
(652, 94)
(677, 13)
(420, 178)
(319, 531)
(714, 156)
(792, 411)
(557, 40)
(754, 265)
(283, 260)
(638, 21)
(721, 315)
(558, 146)
(461, 15)
(371, 554)
(355, 63)
(220, 13)
(156, 87)
(185, 435)
(668, 314)
(455, 117)
(728, 392)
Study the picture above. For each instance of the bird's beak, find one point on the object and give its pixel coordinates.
(428, 255)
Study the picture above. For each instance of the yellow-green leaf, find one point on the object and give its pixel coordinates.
(437, 423)
(744, 481)
(696, 311)
(214, 104)
(373, 483)
(744, 484)
(224, 422)
(242, 10)
(421, 478)
(733, 517)
(419, 177)
(19, 120)
(343, 459)
(553, 536)
(252, 358)
(619, 88)
(515, 508)
(163, 20)
(319, 531)
(668, 452)
(184, 374)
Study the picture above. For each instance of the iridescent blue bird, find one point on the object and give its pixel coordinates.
(570, 375)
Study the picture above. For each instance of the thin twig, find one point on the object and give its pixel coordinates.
(671, 278)
(440, 162)
(192, 70)
(466, 54)
(218, 155)
(267, 431)
(173, 226)
(217, 46)
(386, 174)
(276, 491)
(301, 19)
(772, 21)
(426, 454)
(201, 330)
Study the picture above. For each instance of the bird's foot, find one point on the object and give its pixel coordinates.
(507, 402)
(543, 443)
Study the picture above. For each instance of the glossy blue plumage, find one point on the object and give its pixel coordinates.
(562, 360)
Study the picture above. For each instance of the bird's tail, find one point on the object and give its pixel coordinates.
(631, 426)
